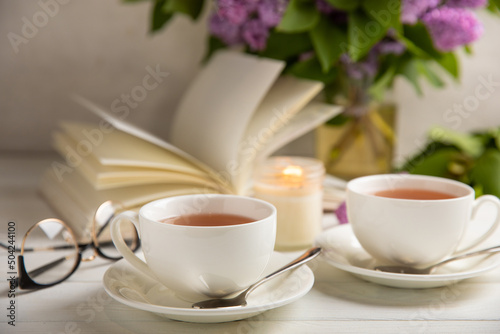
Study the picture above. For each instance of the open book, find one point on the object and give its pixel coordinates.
(237, 111)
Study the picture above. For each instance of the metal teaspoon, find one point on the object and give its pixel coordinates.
(241, 299)
(428, 270)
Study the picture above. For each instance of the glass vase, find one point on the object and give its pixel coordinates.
(358, 142)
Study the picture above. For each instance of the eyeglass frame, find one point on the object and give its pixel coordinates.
(24, 280)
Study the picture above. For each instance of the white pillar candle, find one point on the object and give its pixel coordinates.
(294, 186)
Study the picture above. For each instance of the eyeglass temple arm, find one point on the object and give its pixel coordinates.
(81, 246)
(50, 265)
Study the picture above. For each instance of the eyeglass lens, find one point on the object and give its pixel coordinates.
(50, 252)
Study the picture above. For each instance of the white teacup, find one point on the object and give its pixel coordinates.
(409, 231)
(200, 261)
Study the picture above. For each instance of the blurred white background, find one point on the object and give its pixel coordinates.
(102, 50)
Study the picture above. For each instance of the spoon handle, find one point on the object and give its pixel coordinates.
(307, 256)
(494, 249)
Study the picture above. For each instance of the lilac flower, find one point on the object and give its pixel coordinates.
(341, 213)
(336, 15)
(255, 34)
(412, 9)
(271, 11)
(367, 68)
(361, 70)
(324, 7)
(251, 5)
(452, 27)
(466, 3)
(390, 47)
(235, 11)
(306, 55)
(223, 29)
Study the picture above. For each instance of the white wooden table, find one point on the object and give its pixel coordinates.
(338, 302)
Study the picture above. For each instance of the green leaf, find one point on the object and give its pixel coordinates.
(192, 8)
(411, 47)
(363, 33)
(470, 145)
(379, 87)
(468, 50)
(450, 63)
(435, 163)
(486, 170)
(496, 3)
(283, 46)
(410, 71)
(311, 69)
(426, 71)
(347, 5)
(300, 16)
(420, 43)
(420, 38)
(327, 39)
(385, 12)
(158, 17)
(493, 8)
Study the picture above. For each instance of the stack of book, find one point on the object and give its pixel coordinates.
(236, 112)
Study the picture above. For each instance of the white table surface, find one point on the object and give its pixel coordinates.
(337, 303)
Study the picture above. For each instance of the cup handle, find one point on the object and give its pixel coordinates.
(120, 245)
(475, 208)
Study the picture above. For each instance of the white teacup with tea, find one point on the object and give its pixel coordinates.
(415, 220)
(202, 245)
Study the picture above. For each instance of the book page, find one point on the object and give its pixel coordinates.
(311, 116)
(76, 200)
(284, 100)
(286, 97)
(113, 176)
(118, 149)
(135, 131)
(214, 112)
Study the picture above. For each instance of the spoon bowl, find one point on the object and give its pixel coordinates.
(241, 299)
(430, 269)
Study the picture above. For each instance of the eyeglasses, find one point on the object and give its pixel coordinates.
(50, 253)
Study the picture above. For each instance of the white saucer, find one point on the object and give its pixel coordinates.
(131, 287)
(341, 249)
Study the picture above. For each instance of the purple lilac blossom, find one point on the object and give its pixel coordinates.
(359, 70)
(341, 213)
(271, 11)
(246, 21)
(390, 47)
(336, 15)
(466, 3)
(452, 27)
(324, 7)
(224, 30)
(367, 68)
(306, 55)
(235, 11)
(255, 34)
(411, 10)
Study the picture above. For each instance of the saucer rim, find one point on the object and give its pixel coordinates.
(213, 315)
(421, 278)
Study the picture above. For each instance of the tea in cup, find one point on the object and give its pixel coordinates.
(414, 220)
(201, 246)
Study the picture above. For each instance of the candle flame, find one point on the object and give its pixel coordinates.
(293, 171)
